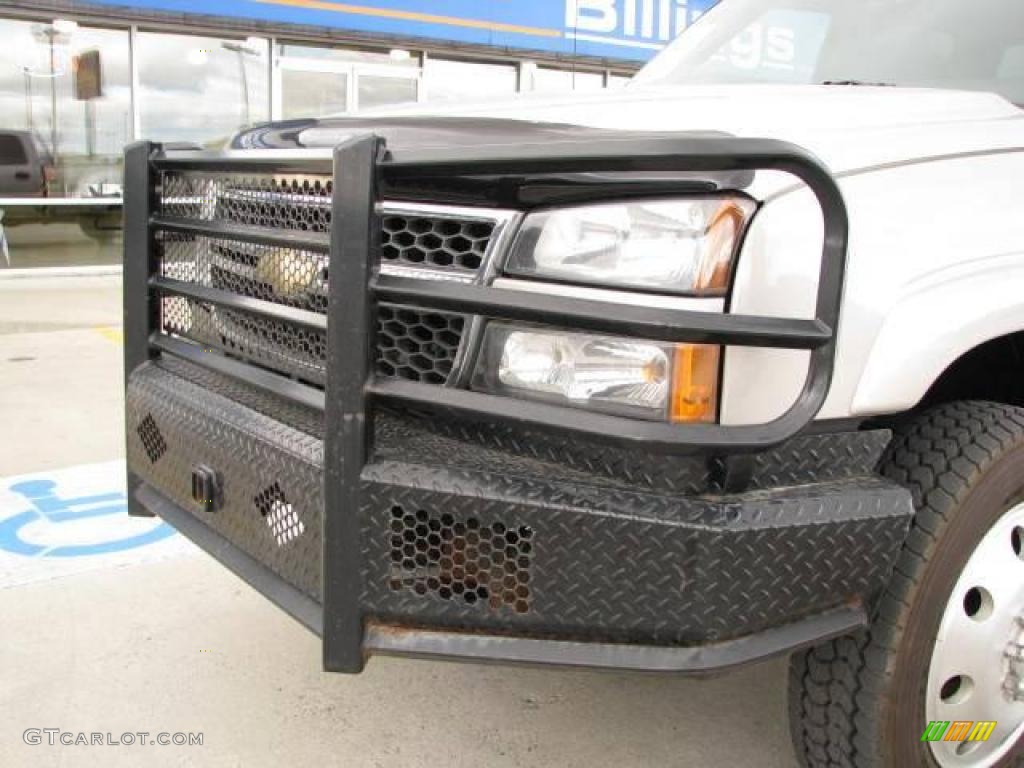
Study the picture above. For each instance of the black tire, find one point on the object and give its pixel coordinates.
(859, 701)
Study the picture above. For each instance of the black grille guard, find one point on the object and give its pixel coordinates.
(360, 167)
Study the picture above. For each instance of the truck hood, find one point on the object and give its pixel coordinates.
(851, 128)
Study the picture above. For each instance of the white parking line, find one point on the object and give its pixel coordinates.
(68, 521)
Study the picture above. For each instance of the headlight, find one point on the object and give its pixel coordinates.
(626, 377)
(674, 246)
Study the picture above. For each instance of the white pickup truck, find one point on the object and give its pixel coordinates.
(724, 365)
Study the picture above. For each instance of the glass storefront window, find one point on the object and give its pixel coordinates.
(315, 81)
(66, 112)
(311, 94)
(54, 234)
(213, 87)
(377, 90)
(65, 91)
(450, 80)
(548, 80)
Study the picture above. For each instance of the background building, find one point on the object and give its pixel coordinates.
(78, 81)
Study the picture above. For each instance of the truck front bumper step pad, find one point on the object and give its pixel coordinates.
(459, 551)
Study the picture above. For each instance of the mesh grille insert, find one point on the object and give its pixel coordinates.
(299, 203)
(152, 440)
(281, 346)
(282, 519)
(434, 241)
(419, 346)
(446, 241)
(281, 275)
(461, 561)
(412, 344)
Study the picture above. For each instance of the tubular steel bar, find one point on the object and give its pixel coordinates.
(529, 651)
(355, 248)
(638, 153)
(275, 238)
(248, 161)
(141, 310)
(654, 323)
(273, 383)
(268, 309)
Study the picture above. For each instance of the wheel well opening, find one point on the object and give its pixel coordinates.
(993, 371)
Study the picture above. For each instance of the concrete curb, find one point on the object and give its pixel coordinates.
(110, 270)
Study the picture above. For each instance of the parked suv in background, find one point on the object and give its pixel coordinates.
(26, 166)
(725, 365)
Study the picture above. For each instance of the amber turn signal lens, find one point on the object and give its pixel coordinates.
(723, 236)
(695, 383)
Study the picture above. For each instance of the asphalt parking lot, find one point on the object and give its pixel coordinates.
(115, 626)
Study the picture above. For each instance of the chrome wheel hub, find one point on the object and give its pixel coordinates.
(976, 675)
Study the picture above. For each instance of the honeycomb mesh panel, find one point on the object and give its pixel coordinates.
(293, 203)
(411, 344)
(465, 562)
(152, 440)
(281, 346)
(282, 518)
(434, 241)
(415, 345)
(445, 241)
(284, 276)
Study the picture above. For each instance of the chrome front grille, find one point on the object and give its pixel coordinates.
(421, 241)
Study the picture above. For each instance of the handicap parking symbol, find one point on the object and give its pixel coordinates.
(77, 526)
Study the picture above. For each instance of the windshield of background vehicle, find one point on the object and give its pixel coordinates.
(973, 45)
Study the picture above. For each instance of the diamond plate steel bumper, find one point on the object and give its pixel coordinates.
(400, 516)
(472, 547)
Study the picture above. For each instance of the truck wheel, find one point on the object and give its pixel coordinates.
(947, 639)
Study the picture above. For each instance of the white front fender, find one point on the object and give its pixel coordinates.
(931, 328)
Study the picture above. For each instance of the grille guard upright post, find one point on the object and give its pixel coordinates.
(351, 320)
(141, 310)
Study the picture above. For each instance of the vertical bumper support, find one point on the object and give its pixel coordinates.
(351, 323)
(141, 309)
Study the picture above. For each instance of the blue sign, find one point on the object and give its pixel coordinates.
(619, 29)
(45, 506)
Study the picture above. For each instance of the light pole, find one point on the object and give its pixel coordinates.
(59, 30)
(243, 50)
